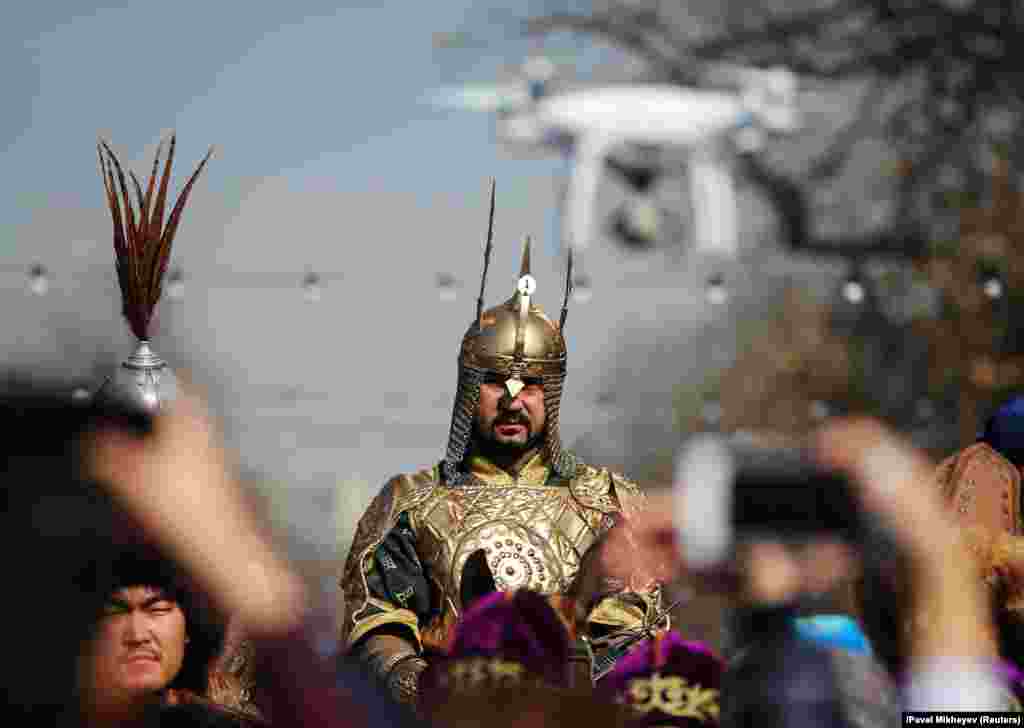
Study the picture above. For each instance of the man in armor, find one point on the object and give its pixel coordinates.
(506, 509)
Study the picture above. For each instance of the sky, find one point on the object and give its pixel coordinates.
(326, 159)
(327, 97)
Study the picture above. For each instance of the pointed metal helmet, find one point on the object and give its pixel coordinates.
(515, 340)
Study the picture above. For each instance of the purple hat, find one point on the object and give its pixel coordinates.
(667, 681)
(506, 639)
(1013, 679)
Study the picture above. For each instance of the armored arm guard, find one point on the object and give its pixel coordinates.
(612, 614)
(615, 618)
(633, 604)
(395, 661)
(387, 592)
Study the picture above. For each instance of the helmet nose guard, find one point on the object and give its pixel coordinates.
(514, 340)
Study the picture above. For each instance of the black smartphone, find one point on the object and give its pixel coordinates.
(729, 491)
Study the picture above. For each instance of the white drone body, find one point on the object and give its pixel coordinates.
(601, 119)
(593, 122)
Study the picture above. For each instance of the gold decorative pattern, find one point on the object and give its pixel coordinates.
(387, 614)
(964, 498)
(619, 612)
(466, 675)
(976, 478)
(533, 535)
(491, 347)
(675, 696)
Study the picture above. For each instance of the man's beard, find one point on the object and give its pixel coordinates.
(490, 445)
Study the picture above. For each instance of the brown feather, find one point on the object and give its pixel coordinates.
(156, 225)
(134, 303)
(146, 209)
(120, 239)
(120, 249)
(568, 292)
(167, 238)
(109, 189)
(139, 202)
(103, 172)
(487, 259)
(124, 217)
(140, 227)
(129, 216)
(142, 246)
(157, 221)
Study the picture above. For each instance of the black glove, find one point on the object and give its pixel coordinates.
(403, 579)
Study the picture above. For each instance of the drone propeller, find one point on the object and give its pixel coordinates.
(480, 97)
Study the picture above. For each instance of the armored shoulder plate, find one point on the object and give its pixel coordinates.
(401, 493)
(631, 498)
(609, 493)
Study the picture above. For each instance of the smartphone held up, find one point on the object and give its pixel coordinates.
(728, 492)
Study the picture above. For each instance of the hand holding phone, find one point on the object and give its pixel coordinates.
(731, 493)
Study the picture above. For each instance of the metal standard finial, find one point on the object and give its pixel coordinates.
(142, 249)
(143, 380)
(568, 293)
(487, 262)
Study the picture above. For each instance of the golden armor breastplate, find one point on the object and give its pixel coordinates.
(532, 536)
(531, 530)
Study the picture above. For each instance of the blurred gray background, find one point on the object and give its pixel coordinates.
(328, 162)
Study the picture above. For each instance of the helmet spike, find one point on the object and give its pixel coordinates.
(487, 261)
(524, 268)
(568, 292)
(524, 290)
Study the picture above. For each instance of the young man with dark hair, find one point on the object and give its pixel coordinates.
(96, 615)
(73, 481)
(151, 643)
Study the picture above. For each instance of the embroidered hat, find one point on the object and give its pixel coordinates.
(507, 639)
(667, 681)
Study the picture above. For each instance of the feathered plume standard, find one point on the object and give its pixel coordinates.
(142, 246)
(142, 242)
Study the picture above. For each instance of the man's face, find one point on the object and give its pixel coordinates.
(511, 421)
(138, 646)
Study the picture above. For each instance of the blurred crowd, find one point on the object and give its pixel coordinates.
(143, 591)
(511, 583)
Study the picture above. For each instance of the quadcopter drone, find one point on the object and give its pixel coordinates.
(591, 125)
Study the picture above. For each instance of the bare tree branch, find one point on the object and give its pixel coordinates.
(834, 158)
(630, 38)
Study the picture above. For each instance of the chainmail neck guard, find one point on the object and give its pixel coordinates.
(461, 433)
